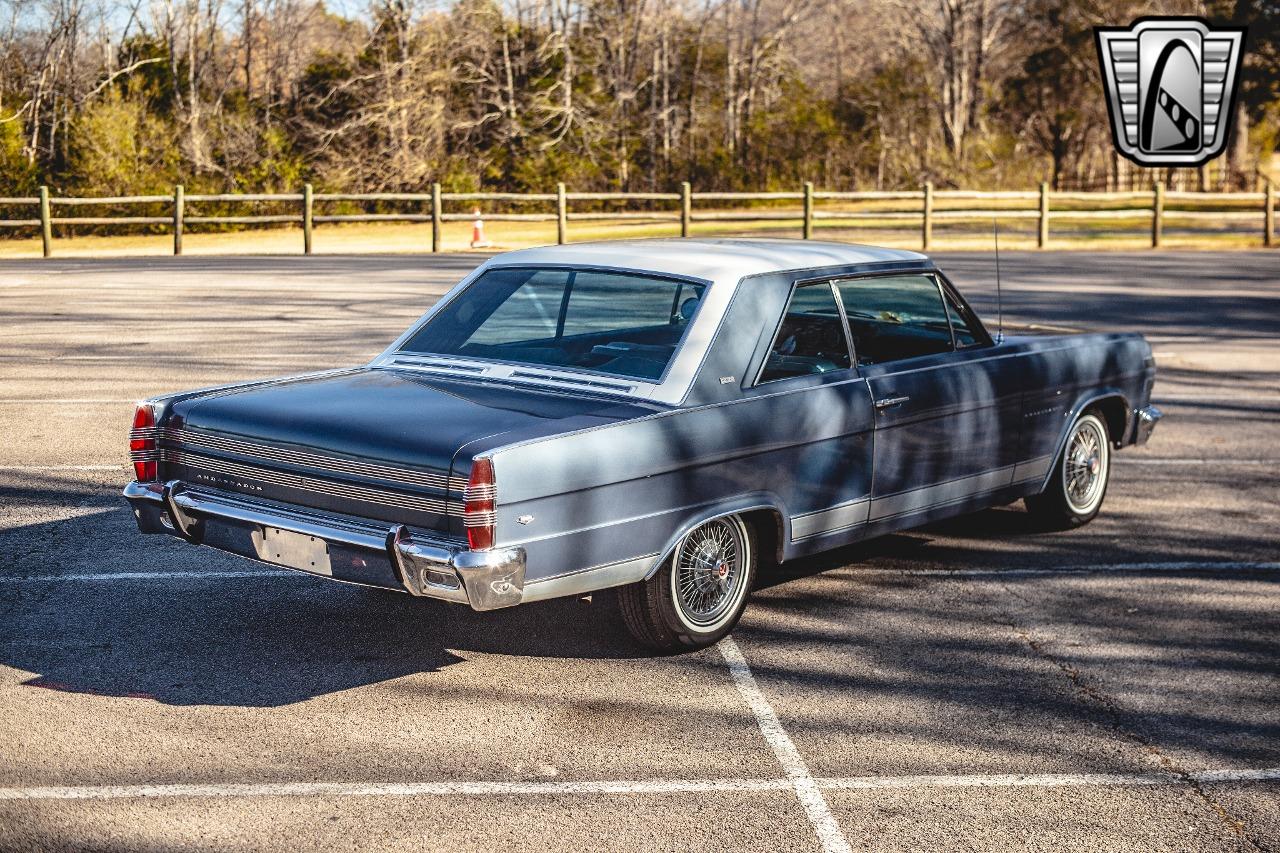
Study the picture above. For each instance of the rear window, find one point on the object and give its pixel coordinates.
(622, 324)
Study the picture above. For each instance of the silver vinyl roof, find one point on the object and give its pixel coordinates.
(711, 260)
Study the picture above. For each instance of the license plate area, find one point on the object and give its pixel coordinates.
(295, 550)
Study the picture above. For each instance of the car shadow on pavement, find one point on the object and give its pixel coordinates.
(278, 638)
(266, 639)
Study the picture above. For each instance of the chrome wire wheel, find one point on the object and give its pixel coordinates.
(1085, 465)
(708, 572)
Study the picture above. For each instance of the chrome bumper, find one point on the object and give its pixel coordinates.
(1145, 421)
(355, 551)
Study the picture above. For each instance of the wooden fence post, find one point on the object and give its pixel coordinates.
(808, 210)
(179, 212)
(46, 227)
(435, 216)
(1042, 238)
(1157, 215)
(307, 204)
(1269, 220)
(926, 231)
(686, 208)
(562, 215)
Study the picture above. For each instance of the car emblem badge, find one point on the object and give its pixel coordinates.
(1171, 86)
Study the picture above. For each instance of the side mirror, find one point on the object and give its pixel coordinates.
(687, 308)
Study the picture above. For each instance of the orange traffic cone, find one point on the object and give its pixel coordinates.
(478, 240)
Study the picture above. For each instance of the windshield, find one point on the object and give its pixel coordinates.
(607, 322)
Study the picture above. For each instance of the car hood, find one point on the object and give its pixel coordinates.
(391, 416)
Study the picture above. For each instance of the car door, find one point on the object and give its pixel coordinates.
(947, 404)
(809, 393)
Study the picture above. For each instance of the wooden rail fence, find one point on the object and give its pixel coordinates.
(911, 206)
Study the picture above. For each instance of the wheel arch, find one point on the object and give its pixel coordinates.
(762, 511)
(1112, 406)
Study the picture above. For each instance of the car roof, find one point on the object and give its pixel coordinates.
(710, 259)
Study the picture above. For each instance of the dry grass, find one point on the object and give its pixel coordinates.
(382, 238)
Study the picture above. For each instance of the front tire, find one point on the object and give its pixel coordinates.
(1080, 477)
(698, 595)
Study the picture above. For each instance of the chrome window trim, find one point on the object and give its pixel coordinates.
(931, 273)
(757, 382)
(949, 288)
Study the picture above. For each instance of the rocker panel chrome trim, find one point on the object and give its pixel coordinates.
(589, 580)
(915, 500)
(830, 520)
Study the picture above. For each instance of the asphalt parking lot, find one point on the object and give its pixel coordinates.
(974, 685)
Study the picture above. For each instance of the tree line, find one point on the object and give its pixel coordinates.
(131, 97)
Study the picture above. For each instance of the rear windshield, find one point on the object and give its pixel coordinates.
(606, 322)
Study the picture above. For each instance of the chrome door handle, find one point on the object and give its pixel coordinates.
(888, 402)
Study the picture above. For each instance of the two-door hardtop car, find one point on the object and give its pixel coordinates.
(660, 416)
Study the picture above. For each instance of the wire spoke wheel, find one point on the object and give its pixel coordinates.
(1084, 466)
(708, 570)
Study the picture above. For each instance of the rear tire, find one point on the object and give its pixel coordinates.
(1079, 480)
(698, 595)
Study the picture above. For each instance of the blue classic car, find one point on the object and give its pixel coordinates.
(660, 417)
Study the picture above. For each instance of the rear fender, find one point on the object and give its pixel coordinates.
(757, 504)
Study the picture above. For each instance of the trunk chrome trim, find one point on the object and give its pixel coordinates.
(182, 439)
(386, 497)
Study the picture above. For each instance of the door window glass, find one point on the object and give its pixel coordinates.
(895, 317)
(811, 338)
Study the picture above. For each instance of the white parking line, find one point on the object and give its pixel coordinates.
(653, 786)
(391, 789)
(1083, 569)
(1195, 460)
(1047, 780)
(150, 576)
(793, 764)
(37, 468)
(1104, 568)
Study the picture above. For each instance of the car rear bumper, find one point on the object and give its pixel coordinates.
(345, 549)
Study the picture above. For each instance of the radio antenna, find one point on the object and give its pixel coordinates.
(995, 228)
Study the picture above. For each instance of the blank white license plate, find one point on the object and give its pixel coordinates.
(295, 550)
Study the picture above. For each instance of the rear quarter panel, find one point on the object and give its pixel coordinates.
(623, 492)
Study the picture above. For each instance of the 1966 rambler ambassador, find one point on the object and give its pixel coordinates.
(661, 416)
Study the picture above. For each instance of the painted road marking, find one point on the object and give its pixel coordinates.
(150, 576)
(654, 786)
(1101, 568)
(33, 468)
(1194, 460)
(1104, 568)
(793, 764)
(1047, 780)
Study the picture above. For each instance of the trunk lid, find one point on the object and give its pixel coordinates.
(373, 442)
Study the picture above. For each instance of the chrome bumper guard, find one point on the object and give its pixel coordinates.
(425, 565)
(1145, 423)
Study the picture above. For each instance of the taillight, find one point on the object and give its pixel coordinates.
(142, 444)
(477, 511)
